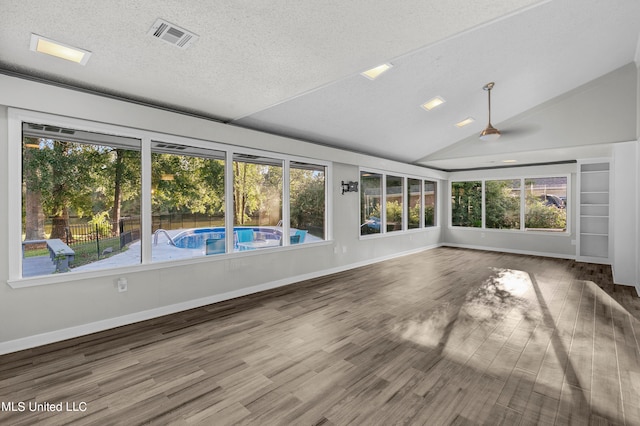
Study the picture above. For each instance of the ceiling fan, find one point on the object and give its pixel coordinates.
(489, 134)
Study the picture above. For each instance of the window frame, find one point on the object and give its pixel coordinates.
(15, 119)
(522, 178)
(405, 203)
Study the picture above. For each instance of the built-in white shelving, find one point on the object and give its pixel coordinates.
(593, 240)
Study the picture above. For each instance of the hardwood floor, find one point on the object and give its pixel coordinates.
(447, 336)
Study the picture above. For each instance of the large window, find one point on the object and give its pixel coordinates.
(466, 204)
(414, 203)
(430, 195)
(409, 203)
(187, 199)
(80, 199)
(502, 200)
(546, 203)
(257, 200)
(370, 202)
(532, 204)
(83, 207)
(307, 202)
(395, 204)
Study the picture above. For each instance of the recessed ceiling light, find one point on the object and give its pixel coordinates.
(59, 50)
(374, 73)
(509, 161)
(465, 122)
(437, 101)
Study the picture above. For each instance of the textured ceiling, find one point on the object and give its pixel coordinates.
(292, 67)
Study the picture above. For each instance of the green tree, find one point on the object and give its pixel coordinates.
(394, 215)
(307, 195)
(414, 216)
(124, 174)
(61, 172)
(540, 216)
(466, 204)
(246, 190)
(502, 210)
(32, 199)
(188, 184)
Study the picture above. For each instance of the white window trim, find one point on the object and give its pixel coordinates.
(16, 117)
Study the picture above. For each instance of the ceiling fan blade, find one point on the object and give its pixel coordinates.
(521, 130)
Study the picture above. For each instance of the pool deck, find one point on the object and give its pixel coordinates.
(38, 265)
(163, 251)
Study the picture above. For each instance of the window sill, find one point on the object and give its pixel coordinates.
(134, 269)
(513, 231)
(398, 233)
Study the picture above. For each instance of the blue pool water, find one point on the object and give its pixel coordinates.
(196, 238)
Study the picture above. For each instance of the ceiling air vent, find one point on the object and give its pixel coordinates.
(172, 34)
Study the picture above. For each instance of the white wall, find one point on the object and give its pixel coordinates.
(35, 315)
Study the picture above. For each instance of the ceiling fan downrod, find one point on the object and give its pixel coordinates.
(490, 133)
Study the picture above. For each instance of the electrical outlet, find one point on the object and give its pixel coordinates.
(122, 284)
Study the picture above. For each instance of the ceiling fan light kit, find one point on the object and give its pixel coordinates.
(489, 134)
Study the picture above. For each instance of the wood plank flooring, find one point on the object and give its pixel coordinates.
(444, 337)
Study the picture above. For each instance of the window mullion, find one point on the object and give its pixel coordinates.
(145, 208)
(286, 202)
(383, 205)
(484, 204)
(228, 201)
(523, 204)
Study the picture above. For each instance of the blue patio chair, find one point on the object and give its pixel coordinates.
(244, 236)
(214, 246)
(294, 239)
(302, 234)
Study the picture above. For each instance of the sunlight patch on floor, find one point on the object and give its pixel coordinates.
(503, 292)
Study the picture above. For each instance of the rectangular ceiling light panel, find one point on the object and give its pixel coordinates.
(435, 102)
(465, 122)
(172, 34)
(60, 50)
(374, 73)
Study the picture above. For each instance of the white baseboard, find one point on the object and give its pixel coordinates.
(505, 250)
(93, 327)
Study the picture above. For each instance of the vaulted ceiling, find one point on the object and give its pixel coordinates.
(293, 67)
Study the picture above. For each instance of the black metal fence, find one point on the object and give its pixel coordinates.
(184, 220)
(127, 230)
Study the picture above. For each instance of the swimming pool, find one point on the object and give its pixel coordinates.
(196, 238)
